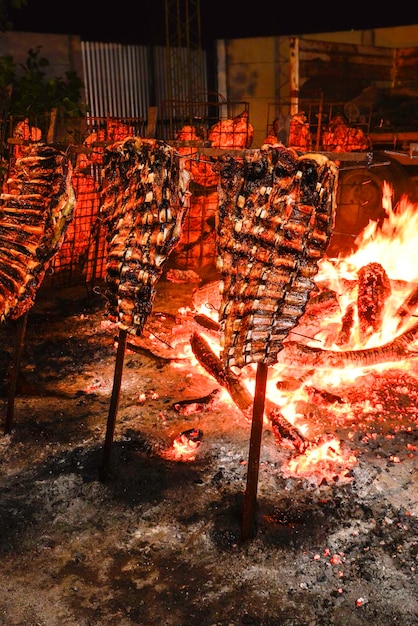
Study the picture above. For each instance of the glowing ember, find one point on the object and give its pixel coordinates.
(326, 461)
(185, 446)
(382, 249)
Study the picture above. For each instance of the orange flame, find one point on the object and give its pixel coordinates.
(327, 460)
(389, 243)
(185, 446)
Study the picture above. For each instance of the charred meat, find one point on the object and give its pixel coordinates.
(276, 214)
(143, 207)
(36, 207)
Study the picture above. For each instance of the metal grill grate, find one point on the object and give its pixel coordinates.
(83, 255)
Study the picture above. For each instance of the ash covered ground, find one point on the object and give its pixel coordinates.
(159, 541)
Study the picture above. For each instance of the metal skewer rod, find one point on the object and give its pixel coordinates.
(114, 403)
(248, 526)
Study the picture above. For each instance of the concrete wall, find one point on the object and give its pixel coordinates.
(256, 70)
(393, 37)
(253, 71)
(62, 51)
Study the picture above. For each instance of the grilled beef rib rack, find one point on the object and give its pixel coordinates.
(143, 208)
(36, 207)
(276, 215)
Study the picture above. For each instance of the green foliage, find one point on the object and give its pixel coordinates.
(33, 94)
(7, 72)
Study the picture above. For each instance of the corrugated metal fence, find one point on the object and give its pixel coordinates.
(132, 91)
(124, 81)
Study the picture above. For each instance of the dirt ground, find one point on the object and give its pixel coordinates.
(158, 542)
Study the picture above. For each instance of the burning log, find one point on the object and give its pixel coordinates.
(188, 442)
(206, 321)
(312, 357)
(292, 384)
(146, 352)
(187, 407)
(323, 397)
(282, 429)
(407, 308)
(319, 396)
(373, 290)
(225, 376)
(347, 325)
(185, 446)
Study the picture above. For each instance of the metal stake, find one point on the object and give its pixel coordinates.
(250, 497)
(14, 368)
(114, 402)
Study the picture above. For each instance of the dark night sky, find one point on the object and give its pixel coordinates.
(143, 22)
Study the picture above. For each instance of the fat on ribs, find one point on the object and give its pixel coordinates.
(36, 207)
(276, 215)
(143, 206)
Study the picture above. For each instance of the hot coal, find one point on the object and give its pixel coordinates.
(159, 542)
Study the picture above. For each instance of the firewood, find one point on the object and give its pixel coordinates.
(195, 405)
(308, 356)
(282, 429)
(160, 360)
(225, 377)
(346, 326)
(322, 397)
(206, 322)
(373, 290)
(292, 384)
(408, 307)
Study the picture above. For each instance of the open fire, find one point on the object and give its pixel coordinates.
(359, 326)
(160, 542)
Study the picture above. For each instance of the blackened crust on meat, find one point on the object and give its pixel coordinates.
(255, 170)
(35, 212)
(143, 206)
(276, 215)
(286, 161)
(231, 179)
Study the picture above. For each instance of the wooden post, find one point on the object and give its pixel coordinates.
(52, 123)
(114, 402)
(319, 122)
(20, 338)
(151, 129)
(250, 497)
